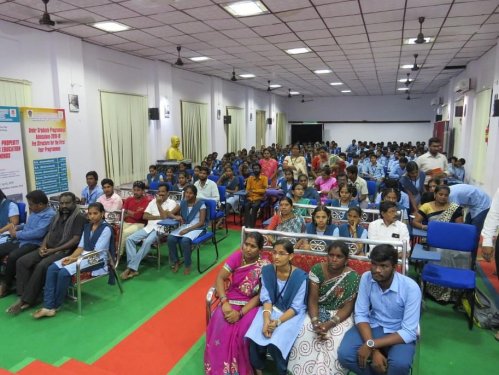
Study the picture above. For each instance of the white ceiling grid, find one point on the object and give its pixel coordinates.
(361, 41)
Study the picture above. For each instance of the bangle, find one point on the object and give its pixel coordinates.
(336, 319)
(269, 311)
(223, 299)
(278, 321)
(314, 319)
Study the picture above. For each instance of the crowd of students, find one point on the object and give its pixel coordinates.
(409, 180)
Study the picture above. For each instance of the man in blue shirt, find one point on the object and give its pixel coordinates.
(386, 317)
(28, 239)
(92, 191)
(474, 199)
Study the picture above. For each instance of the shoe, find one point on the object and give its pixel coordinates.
(175, 267)
(43, 312)
(132, 274)
(125, 274)
(17, 307)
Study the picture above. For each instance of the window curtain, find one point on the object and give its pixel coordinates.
(16, 93)
(235, 131)
(260, 129)
(194, 130)
(281, 128)
(481, 119)
(125, 129)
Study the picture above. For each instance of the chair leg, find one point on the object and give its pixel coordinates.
(78, 291)
(198, 246)
(472, 312)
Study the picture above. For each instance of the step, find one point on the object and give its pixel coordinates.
(77, 367)
(41, 368)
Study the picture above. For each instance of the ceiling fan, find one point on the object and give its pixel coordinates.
(233, 78)
(415, 67)
(420, 39)
(269, 89)
(408, 95)
(304, 101)
(407, 81)
(46, 20)
(179, 61)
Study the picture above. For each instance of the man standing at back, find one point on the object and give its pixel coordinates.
(256, 186)
(207, 189)
(433, 163)
(386, 319)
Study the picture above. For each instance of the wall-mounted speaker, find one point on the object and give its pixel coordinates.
(227, 120)
(438, 118)
(495, 111)
(153, 113)
(458, 112)
(269, 121)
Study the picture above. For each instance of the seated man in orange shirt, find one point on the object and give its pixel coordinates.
(256, 186)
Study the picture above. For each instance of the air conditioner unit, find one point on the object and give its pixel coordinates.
(462, 86)
(437, 101)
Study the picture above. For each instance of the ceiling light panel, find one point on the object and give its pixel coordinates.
(111, 26)
(247, 75)
(199, 58)
(322, 71)
(246, 8)
(297, 51)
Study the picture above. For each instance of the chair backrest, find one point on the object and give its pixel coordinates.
(241, 182)
(22, 212)
(452, 236)
(211, 208)
(222, 193)
(213, 177)
(371, 187)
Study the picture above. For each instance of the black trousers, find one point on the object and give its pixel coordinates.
(30, 277)
(14, 251)
(250, 212)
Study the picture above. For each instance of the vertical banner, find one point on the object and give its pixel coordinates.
(12, 176)
(45, 149)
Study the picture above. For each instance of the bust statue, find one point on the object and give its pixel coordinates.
(174, 152)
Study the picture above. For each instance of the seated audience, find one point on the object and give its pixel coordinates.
(341, 179)
(27, 239)
(225, 343)
(231, 184)
(319, 162)
(9, 214)
(92, 191)
(278, 322)
(325, 183)
(403, 201)
(346, 199)
(297, 193)
(286, 184)
(295, 162)
(455, 170)
(269, 167)
(158, 209)
(320, 225)
(192, 215)
(388, 227)
(386, 317)
(412, 183)
(285, 219)
(97, 236)
(398, 168)
(352, 229)
(134, 207)
(154, 178)
(182, 182)
(207, 189)
(442, 210)
(62, 238)
(170, 177)
(332, 288)
(394, 195)
(110, 200)
(360, 185)
(256, 186)
(309, 192)
(195, 173)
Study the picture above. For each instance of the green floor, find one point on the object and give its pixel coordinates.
(446, 346)
(107, 317)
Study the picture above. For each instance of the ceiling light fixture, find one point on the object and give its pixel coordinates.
(402, 89)
(406, 80)
(322, 71)
(247, 75)
(297, 51)
(413, 40)
(406, 66)
(199, 58)
(346, 91)
(294, 92)
(336, 83)
(111, 26)
(246, 8)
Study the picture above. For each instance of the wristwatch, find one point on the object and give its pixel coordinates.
(370, 344)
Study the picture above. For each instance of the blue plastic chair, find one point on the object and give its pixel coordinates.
(213, 177)
(221, 213)
(211, 207)
(458, 237)
(22, 212)
(371, 189)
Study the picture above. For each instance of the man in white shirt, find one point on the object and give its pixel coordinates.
(389, 227)
(433, 163)
(359, 183)
(207, 189)
(157, 210)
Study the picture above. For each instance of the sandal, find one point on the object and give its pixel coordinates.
(17, 307)
(43, 312)
(125, 275)
(175, 267)
(132, 274)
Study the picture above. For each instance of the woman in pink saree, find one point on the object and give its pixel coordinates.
(227, 352)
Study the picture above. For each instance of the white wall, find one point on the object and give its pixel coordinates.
(58, 65)
(484, 74)
(367, 108)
